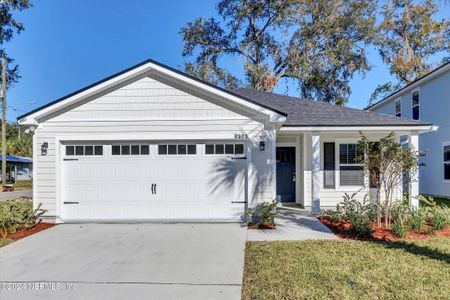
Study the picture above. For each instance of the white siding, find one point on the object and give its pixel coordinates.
(435, 109)
(145, 107)
(331, 197)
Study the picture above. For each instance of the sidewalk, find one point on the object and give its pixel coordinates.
(292, 226)
(16, 194)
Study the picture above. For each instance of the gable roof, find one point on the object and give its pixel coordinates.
(439, 70)
(302, 112)
(149, 65)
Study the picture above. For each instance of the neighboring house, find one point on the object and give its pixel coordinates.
(152, 143)
(427, 99)
(18, 167)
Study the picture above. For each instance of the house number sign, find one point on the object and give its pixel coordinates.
(240, 136)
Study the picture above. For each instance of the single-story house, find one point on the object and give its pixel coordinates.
(18, 167)
(152, 143)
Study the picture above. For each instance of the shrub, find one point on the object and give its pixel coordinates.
(440, 217)
(263, 215)
(399, 228)
(417, 219)
(359, 214)
(17, 214)
(335, 215)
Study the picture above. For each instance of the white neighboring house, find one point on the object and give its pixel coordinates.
(152, 143)
(427, 99)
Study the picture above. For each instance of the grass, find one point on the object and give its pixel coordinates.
(347, 270)
(4, 242)
(23, 185)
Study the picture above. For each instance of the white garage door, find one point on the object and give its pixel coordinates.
(144, 181)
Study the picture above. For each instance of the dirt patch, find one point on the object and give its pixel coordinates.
(21, 233)
(342, 230)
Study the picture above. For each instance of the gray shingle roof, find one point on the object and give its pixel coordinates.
(302, 112)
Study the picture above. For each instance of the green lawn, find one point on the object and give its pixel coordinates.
(347, 270)
(23, 185)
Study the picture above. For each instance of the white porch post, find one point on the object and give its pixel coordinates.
(315, 167)
(414, 177)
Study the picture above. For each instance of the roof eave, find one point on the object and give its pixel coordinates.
(436, 72)
(422, 128)
(32, 118)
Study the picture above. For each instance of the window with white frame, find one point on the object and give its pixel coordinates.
(398, 107)
(446, 161)
(232, 149)
(351, 169)
(130, 150)
(84, 150)
(177, 149)
(415, 104)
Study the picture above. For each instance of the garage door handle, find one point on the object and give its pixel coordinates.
(239, 157)
(70, 159)
(238, 202)
(70, 202)
(153, 188)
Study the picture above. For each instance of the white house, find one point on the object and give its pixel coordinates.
(152, 143)
(427, 99)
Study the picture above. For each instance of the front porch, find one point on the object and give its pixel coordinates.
(315, 168)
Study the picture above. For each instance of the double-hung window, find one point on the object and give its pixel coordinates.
(415, 104)
(351, 168)
(446, 161)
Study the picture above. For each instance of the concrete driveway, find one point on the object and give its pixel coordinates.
(126, 261)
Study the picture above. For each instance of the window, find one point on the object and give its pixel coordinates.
(229, 149)
(398, 107)
(446, 160)
(328, 165)
(125, 149)
(130, 149)
(415, 104)
(145, 149)
(87, 150)
(178, 149)
(351, 171)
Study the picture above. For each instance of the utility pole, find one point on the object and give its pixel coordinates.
(3, 120)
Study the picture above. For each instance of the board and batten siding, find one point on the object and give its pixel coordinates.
(148, 106)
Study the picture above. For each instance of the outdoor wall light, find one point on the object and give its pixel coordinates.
(44, 148)
(262, 145)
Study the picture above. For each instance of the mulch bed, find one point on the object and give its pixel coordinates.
(342, 230)
(21, 233)
(261, 226)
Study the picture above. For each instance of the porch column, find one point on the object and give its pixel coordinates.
(315, 167)
(414, 177)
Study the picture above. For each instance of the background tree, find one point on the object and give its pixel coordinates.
(318, 45)
(409, 35)
(18, 142)
(8, 27)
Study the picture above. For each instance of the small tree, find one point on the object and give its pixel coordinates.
(385, 162)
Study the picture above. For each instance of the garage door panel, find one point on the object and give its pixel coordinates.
(188, 187)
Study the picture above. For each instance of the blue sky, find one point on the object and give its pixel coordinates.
(69, 44)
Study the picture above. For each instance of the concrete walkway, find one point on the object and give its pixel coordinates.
(292, 226)
(16, 194)
(126, 261)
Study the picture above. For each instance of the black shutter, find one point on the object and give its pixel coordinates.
(329, 165)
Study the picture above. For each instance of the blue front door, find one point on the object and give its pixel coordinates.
(286, 173)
